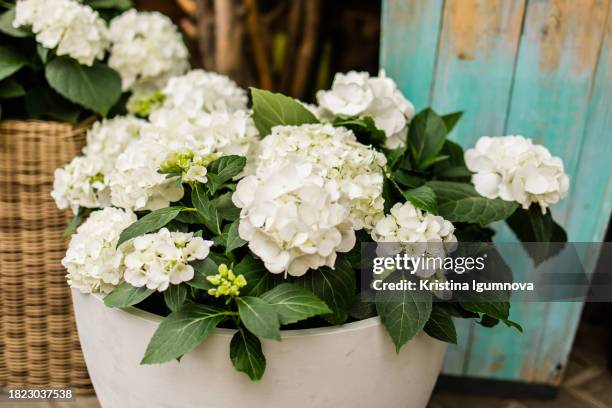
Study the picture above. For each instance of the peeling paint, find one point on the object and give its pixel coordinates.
(477, 26)
(568, 25)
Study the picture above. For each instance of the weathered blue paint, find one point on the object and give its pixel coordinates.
(409, 43)
(548, 77)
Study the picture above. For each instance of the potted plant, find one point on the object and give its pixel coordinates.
(217, 236)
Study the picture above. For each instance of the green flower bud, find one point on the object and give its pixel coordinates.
(226, 282)
(143, 104)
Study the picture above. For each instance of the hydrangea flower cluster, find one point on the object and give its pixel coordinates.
(147, 49)
(159, 259)
(139, 182)
(292, 219)
(514, 169)
(219, 132)
(85, 181)
(352, 169)
(200, 91)
(69, 27)
(358, 94)
(109, 137)
(136, 182)
(82, 183)
(410, 230)
(92, 262)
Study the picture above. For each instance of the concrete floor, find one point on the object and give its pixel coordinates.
(587, 384)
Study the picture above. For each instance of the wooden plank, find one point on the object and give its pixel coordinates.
(410, 31)
(592, 185)
(477, 49)
(558, 55)
(557, 59)
(538, 93)
(475, 65)
(590, 206)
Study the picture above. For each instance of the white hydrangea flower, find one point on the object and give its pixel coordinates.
(355, 170)
(358, 94)
(514, 169)
(200, 91)
(172, 139)
(136, 183)
(417, 233)
(291, 218)
(220, 132)
(109, 138)
(81, 183)
(159, 259)
(92, 261)
(147, 49)
(69, 27)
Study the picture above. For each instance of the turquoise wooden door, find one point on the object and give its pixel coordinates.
(540, 68)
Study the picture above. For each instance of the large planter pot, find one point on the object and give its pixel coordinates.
(351, 366)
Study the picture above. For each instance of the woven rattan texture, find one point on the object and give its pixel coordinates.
(39, 346)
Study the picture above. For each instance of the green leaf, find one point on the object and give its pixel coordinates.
(395, 156)
(43, 53)
(533, 226)
(226, 208)
(6, 25)
(233, 239)
(110, 4)
(459, 202)
(175, 296)
(11, 61)
(206, 209)
(294, 303)
(273, 109)
(364, 129)
(440, 325)
(259, 280)
(97, 87)
(454, 172)
(223, 170)
(10, 88)
(126, 295)
(76, 220)
(426, 137)
(153, 221)
(496, 310)
(451, 119)
(361, 310)
(259, 317)
(43, 102)
(406, 179)
(202, 269)
(403, 313)
(423, 198)
(182, 331)
(246, 354)
(337, 288)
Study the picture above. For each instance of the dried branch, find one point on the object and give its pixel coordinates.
(189, 7)
(205, 26)
(258, 42)
(307, 47)
(293, 34)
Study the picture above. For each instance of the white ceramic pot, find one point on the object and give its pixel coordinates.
(351, 366)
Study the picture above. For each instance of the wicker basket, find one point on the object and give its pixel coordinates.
(39, 346)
